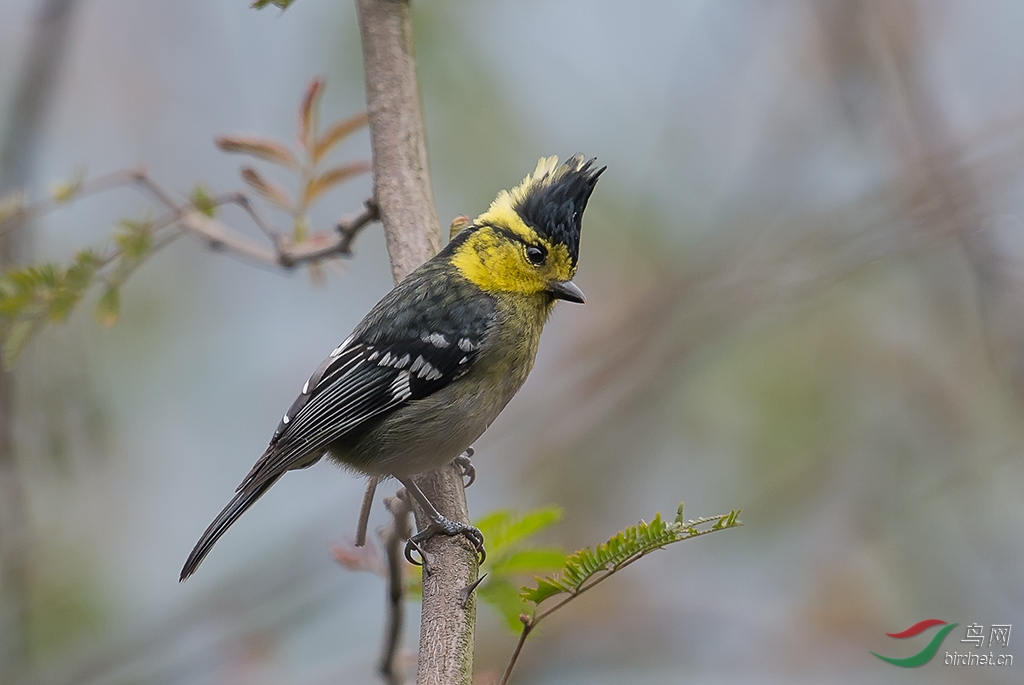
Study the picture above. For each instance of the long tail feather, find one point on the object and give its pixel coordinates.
(235, 508)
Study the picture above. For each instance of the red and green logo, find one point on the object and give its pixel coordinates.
(926, 654)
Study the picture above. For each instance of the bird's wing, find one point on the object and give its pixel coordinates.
(358, 381)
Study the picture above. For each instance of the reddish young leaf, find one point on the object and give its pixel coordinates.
(337, 132)
(267, 189)
(458, 223)
(330, 178)
(308, 113)
(263, 148)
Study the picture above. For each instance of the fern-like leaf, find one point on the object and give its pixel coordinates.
(589, 565)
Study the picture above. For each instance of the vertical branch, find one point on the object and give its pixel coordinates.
(17, 149)
(400, 174)
(403, 191)
(394, 536)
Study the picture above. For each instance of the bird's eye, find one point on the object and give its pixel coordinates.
(536, 254)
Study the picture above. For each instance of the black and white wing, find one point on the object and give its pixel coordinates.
(357, 382)
(423, 335)
(360, 381)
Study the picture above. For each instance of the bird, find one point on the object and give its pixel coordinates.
(434, 362)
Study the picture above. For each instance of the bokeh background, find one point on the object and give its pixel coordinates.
(805, 271)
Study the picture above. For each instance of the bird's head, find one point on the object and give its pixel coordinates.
(528, 241)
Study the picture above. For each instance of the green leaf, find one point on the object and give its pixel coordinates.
(17, 291)
(282, 4)
(300, 229)
(108, 308)
(82, 270)
(530, 561)
(135, 238)
(63, 192)
(203, 201)
(623, 548)
(72, 284)
(545, 587)
(504, 528)
(503, 597)
(47, 275)
(509, 555)
(61, 303)
(32, 295)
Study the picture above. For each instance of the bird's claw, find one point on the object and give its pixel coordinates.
(411, 545)
(465, 464)
(447, 527)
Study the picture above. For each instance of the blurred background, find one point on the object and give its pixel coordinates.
(805, 280)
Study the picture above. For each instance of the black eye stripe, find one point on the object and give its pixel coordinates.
(511, 235)
(506, 232)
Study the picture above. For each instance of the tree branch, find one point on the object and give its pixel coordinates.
(216, 233)
(393, 538)
(403, 190)
(400, 174)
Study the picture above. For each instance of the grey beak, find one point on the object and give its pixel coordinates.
(566, 290)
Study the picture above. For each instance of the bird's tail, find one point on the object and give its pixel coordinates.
(242, 500)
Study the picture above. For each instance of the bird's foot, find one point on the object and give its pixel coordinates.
(443, 526)
(464, 463)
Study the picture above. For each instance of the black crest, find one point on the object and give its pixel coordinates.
(554, 205)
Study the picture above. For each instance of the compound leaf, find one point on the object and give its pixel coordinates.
(622, 548)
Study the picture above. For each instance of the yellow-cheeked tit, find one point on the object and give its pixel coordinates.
(435, 361)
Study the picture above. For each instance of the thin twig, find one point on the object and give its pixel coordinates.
(349, 228)
(243, 201)
(99, 184)
(530, 622)
(364, 510)
(340, 244)
(143, 180)
(217, 234)
(393, 537)
(528, 625)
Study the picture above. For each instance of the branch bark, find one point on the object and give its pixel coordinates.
(413, 233)
(393, 537)
(397, 136)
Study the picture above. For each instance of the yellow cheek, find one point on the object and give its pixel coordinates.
(495, 264)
